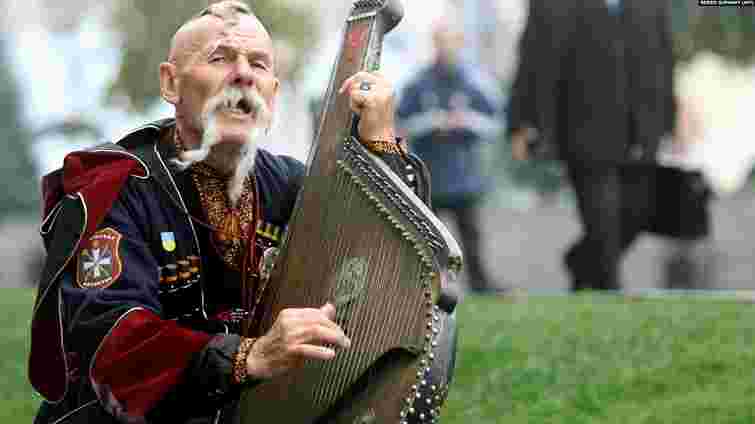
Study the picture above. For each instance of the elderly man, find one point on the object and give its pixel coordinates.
(151, 240)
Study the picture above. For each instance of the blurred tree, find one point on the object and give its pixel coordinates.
(728, 31)
(20, 191)
(147, 27)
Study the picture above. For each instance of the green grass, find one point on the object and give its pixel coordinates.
(18, 402)
(584, 359)
(604, 359)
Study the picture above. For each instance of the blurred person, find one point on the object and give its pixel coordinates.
(190, 199)
(447, 115)
(595, 89)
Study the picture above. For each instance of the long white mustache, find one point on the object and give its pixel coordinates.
(227, 99)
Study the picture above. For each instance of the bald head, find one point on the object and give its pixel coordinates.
(216, 21)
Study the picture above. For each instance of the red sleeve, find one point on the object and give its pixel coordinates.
(140, 361)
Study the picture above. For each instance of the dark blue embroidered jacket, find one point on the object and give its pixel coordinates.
(104, 348)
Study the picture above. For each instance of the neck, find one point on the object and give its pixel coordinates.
(225, 158)
(187, 137)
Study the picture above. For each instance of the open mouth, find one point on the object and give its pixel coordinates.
(241, 107)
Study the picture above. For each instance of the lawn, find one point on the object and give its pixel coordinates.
(17, 400)
(579, 359)
(604, 359)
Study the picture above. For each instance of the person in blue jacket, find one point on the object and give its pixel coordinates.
(151, 240)
(448, 111)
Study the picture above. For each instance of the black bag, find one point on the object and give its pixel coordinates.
(681, 204)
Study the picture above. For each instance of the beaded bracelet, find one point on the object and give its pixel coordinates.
(240, 375)
(385, 146)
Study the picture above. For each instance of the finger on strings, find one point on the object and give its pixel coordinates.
(329, 336)
(315, 352)
(329, 310)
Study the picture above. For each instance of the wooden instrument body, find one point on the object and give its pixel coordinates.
(361, 239)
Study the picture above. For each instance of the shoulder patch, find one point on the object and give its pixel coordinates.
(99, 262)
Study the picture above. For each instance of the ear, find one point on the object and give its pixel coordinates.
(274, 97)
(169, 83)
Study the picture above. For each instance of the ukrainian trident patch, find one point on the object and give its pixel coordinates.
(99, 261)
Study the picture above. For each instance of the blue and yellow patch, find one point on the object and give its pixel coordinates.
(168, 241)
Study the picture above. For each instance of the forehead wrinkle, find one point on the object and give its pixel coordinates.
(189, 39)
(193, 37)
(236, 44)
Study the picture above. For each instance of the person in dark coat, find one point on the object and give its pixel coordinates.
(448, 112)
(595, 89)
(152, 241)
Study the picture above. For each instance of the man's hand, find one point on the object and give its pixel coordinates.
(371, 97)
(688, 128)
(520, 140)
(296, 336)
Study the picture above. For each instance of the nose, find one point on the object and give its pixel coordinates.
(243, 74)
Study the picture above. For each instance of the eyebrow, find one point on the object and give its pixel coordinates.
(225, 47)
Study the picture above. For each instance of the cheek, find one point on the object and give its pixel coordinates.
(199, 86)
(192, 100)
